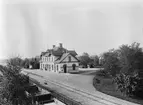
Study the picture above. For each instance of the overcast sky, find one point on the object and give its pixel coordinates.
(85, 26)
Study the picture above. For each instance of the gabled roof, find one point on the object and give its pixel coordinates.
(63, 57)
(58, 51)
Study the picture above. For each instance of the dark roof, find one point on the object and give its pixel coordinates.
(72, 52)
(57, 51)
(60, 52)
(43, 53)
(62, 57)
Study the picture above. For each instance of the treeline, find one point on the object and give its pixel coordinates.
(125, 66)
(28, 63)
(32, 63)
(87, 61)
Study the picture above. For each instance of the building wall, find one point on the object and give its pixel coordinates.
(47, 63)
(69, 66)
(72, 59)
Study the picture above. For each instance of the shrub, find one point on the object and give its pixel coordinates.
(129, 85)
(96, 81)
(102, 73)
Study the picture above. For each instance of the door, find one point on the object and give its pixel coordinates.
(73, 66)
(65, 68)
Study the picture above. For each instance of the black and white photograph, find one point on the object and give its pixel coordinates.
(71, 52)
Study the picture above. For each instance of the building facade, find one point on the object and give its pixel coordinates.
(59, 59)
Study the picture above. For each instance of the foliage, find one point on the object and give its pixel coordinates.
(125, 65)
(102, 73)
(84, 59)
(129, 85)
(131, 63)
(111, 62)
(26, 63)
(94, 60)
(131, 58)
(4, 102)
(14, 85)
(34, 62)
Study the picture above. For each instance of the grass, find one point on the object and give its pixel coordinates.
(86, 72)
(108, 87)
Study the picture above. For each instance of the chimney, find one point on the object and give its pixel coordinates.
(54, 46)
(61, 45)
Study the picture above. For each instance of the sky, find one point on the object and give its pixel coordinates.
(30, 27)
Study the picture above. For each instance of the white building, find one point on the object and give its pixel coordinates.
(59, 59)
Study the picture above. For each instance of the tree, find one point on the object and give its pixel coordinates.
(14, 84)
(35, 63)
(111, 62)
(129, 81)
(26, 63)
(95, 60)
(131, 58)
(84, 59)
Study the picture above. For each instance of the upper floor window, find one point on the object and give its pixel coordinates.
(69, 58)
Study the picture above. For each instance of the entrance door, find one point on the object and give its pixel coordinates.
(65, 68)
(73, 66)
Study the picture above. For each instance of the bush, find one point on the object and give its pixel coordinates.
(129, 85)
(102, 73)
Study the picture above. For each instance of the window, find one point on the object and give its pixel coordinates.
(41, 66)
(49, 68)
(57, 67)
(52, 67)
(69, 58)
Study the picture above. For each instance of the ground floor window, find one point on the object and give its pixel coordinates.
(52, 67)
(57, 68)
